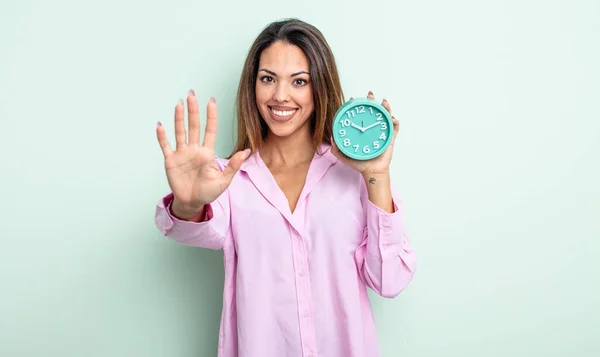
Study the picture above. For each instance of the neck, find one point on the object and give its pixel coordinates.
(293, 150)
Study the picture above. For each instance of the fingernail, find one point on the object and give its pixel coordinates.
(180, 101)
(191, 92)
(370, 93)
(158, 123)
(384, 100)
(212, 99)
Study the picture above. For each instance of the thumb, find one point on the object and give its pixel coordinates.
(235, 163)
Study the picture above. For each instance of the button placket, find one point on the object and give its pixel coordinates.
(309, 318)
(303, 290)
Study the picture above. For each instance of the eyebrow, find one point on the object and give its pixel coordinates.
(274, 74)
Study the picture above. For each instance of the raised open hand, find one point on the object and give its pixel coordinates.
(192, 170)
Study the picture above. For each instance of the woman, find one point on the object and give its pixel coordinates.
(304, 229)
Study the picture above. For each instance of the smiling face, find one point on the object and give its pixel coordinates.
(284, 94)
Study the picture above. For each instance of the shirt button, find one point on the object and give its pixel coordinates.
(305, 313)
(301, 273)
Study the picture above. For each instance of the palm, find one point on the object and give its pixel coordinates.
(192, 171)
(193, 175)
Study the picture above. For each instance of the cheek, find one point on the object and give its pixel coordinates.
(258, 93)
(306, 99)
(262, 93)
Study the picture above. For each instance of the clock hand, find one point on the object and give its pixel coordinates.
(358, 127)
(372, 125)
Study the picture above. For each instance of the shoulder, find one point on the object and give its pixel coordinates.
(338, 174)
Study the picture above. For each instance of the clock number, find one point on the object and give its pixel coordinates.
(356, 148)
(371, 109)
(376, 145)
(360, 109)
(345, 122)
(379, 116)
(347, 142)
(350, 112)
(366, 149)
(383, 126)
(342, 132)
(382, 136)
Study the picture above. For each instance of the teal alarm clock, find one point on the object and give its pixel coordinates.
(362, 129)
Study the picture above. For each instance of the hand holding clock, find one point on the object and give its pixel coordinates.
(366, 149)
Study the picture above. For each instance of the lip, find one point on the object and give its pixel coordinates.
(280, 108)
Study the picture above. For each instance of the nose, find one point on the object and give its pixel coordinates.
(281, 92)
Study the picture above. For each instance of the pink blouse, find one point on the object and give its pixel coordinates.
(296, 283)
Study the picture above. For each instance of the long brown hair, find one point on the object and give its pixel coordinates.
(327, 90)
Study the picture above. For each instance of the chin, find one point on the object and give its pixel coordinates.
(282, 132)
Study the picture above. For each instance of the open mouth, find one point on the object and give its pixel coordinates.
(282, 114)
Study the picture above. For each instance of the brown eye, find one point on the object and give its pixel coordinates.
(300, 82)
(266, 79)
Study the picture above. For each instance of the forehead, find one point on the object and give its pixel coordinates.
(283, 57)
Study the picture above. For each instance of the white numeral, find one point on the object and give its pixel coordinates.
(360, 109)
(345, 122)
(379, 116)
(347, 142)
(342, 132)
(350, 112)
(371, 109)
(376, 145)
(366, 149)
(383, 126)
(382, 136)
(356, 148)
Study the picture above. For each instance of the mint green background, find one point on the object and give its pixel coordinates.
(497, 161)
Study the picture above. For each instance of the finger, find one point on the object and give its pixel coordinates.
(162, 140)
(396, 127)
(371, 95)
(179, 125)
(386, 105)
(193, 118)
(235, 163)
(210, 136)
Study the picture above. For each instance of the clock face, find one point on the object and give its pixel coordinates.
(362, 129)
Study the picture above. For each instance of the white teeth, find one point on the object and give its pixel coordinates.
(283, 113)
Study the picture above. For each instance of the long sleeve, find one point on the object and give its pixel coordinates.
(207, 234)
(385, 260)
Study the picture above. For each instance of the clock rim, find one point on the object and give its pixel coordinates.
(352, 103)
